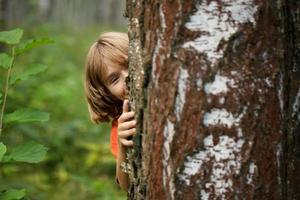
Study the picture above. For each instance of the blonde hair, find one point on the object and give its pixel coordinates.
(111, 47)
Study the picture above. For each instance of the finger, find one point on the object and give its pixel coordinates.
(126, 134)
(126, 116)
(127, 143)
(127, 125)
(125, 106)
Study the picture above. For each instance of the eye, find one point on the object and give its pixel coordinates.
(115, 79)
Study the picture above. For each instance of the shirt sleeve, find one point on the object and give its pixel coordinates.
(114, 138)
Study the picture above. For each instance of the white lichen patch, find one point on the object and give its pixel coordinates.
(268, 82)
(280, 93)
(222, 117)
(181, 90)
(219, 85)
(233, 72)
(209, 100)
(204, 195)
(225, 158)
(168, 138)
(296, 105)
(222, 100)
(279, 153)
(239, 132)
(251, 173)
(218, 23)
(169, 133)
(199, 84)
(156, 58)
(162, 18)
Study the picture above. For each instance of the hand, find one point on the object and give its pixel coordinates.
(126, 126)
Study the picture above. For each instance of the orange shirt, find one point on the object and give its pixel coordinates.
(114, 138)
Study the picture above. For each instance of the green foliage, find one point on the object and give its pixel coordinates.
(5, 60)
(32, 43)
(2, 150)
(29, 152)
(12, 194)
(11, 37)
(26, 115)
(32, 70)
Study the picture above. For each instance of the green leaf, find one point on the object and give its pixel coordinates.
(0, 97)
(30, 152)
(12, 36)
(12, 194)
(2, 150)
(33, 43)
(26, 115)
(5, 60)
(33, 69)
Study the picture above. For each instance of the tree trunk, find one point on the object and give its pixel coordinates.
(215, 88)
(2, 14)
(292, 98)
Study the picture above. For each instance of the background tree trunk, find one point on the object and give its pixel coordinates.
(215, 87)
(2, 14)
(74, 13)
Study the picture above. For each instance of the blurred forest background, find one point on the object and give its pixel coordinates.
(79, 164)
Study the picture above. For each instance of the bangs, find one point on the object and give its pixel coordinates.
(109, 56)
(111, 50)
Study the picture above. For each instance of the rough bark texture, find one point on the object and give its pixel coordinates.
(215, 86)
(292, 97)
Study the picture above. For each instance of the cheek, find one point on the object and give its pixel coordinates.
(117, 90)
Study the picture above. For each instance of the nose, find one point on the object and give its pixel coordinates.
(125, 72)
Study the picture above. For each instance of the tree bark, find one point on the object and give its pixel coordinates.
(292, 97)
(215, 88)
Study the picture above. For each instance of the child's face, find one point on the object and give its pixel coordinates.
(114, 80)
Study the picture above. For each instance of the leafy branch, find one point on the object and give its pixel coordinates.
(30, 152)
(12, 37)
(6, 88)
